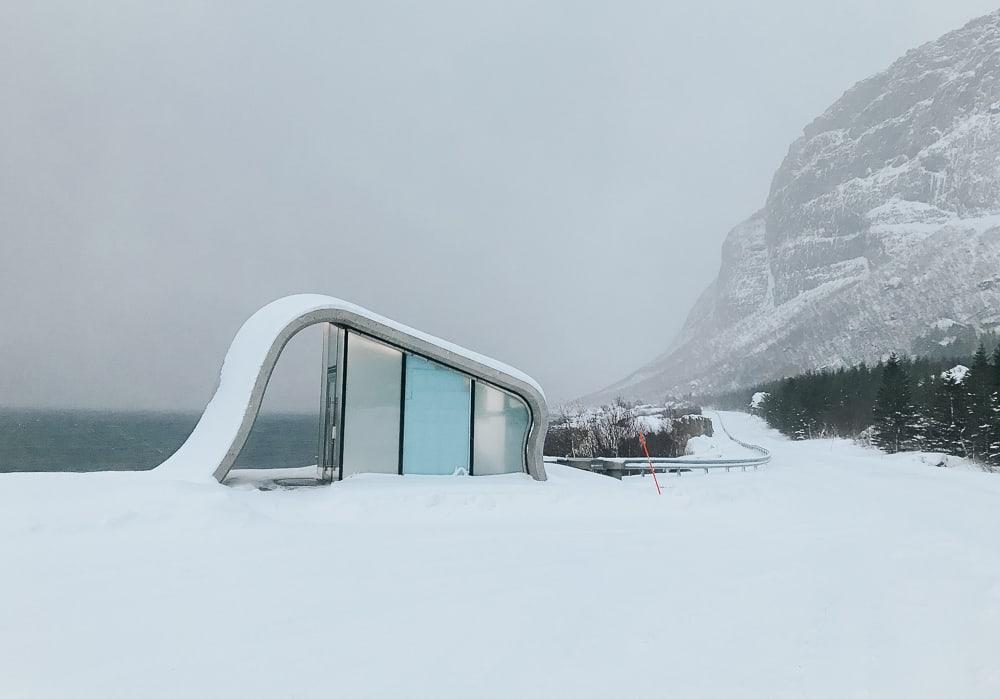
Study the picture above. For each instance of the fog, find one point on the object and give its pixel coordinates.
(545, 182)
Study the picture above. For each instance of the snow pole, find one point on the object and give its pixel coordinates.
(642, 441)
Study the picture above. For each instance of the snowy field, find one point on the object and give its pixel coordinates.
(832, 572)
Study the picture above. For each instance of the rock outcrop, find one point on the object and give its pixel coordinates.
(882, 223)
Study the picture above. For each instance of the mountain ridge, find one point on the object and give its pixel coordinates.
(882, 220)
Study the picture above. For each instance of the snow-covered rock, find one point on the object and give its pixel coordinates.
(704, 447)
(882, 222)
(653, 423)
(957, 373)
(935, 459)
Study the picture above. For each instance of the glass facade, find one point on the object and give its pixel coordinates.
(500, 429)
(402, 413)
(372, 393)
(437, 418)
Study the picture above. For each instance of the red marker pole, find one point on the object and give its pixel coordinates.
(642, 441)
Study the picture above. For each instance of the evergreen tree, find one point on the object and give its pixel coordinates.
(992, 454)
(978, 386)
(894, 418)
(995, 362)
(949, 416)
(920, 403)
(924, 392)
(937, 416)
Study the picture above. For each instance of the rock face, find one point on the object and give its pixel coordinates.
(882, 223)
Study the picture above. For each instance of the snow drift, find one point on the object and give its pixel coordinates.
(834, 572)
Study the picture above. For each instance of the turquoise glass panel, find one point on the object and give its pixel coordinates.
(436, 418)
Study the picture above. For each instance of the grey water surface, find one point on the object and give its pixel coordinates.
(84, 440)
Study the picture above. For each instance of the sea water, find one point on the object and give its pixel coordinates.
(83, 440)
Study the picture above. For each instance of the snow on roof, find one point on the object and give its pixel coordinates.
(215, 432)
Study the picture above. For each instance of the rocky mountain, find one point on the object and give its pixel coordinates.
(881, 230)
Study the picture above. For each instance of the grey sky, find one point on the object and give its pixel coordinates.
(548, 183)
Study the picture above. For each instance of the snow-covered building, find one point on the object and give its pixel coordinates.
(394, 399)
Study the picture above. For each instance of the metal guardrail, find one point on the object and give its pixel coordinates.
(618, 467)
(765, 455)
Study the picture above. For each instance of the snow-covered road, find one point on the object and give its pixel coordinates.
(832, 572)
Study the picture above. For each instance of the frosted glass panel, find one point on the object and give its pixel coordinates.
(436, 418)
(371, 406)
(500, 432)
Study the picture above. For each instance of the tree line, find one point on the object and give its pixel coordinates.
(902, 404)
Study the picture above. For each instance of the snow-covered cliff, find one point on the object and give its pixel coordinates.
(882, 222)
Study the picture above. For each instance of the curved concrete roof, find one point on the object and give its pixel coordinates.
(223, 429)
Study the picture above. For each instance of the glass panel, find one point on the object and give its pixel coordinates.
(500, 431)
(329, 397)
(436, 418)
(328, 430)
(284, 432)
(371, 406)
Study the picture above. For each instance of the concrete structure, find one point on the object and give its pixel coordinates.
(395, 400)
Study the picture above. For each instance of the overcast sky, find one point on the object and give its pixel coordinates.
(545, 182)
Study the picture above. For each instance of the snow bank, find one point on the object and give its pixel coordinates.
(704, 447)
(835, 572)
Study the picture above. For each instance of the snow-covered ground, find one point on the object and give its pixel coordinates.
(832, 572)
